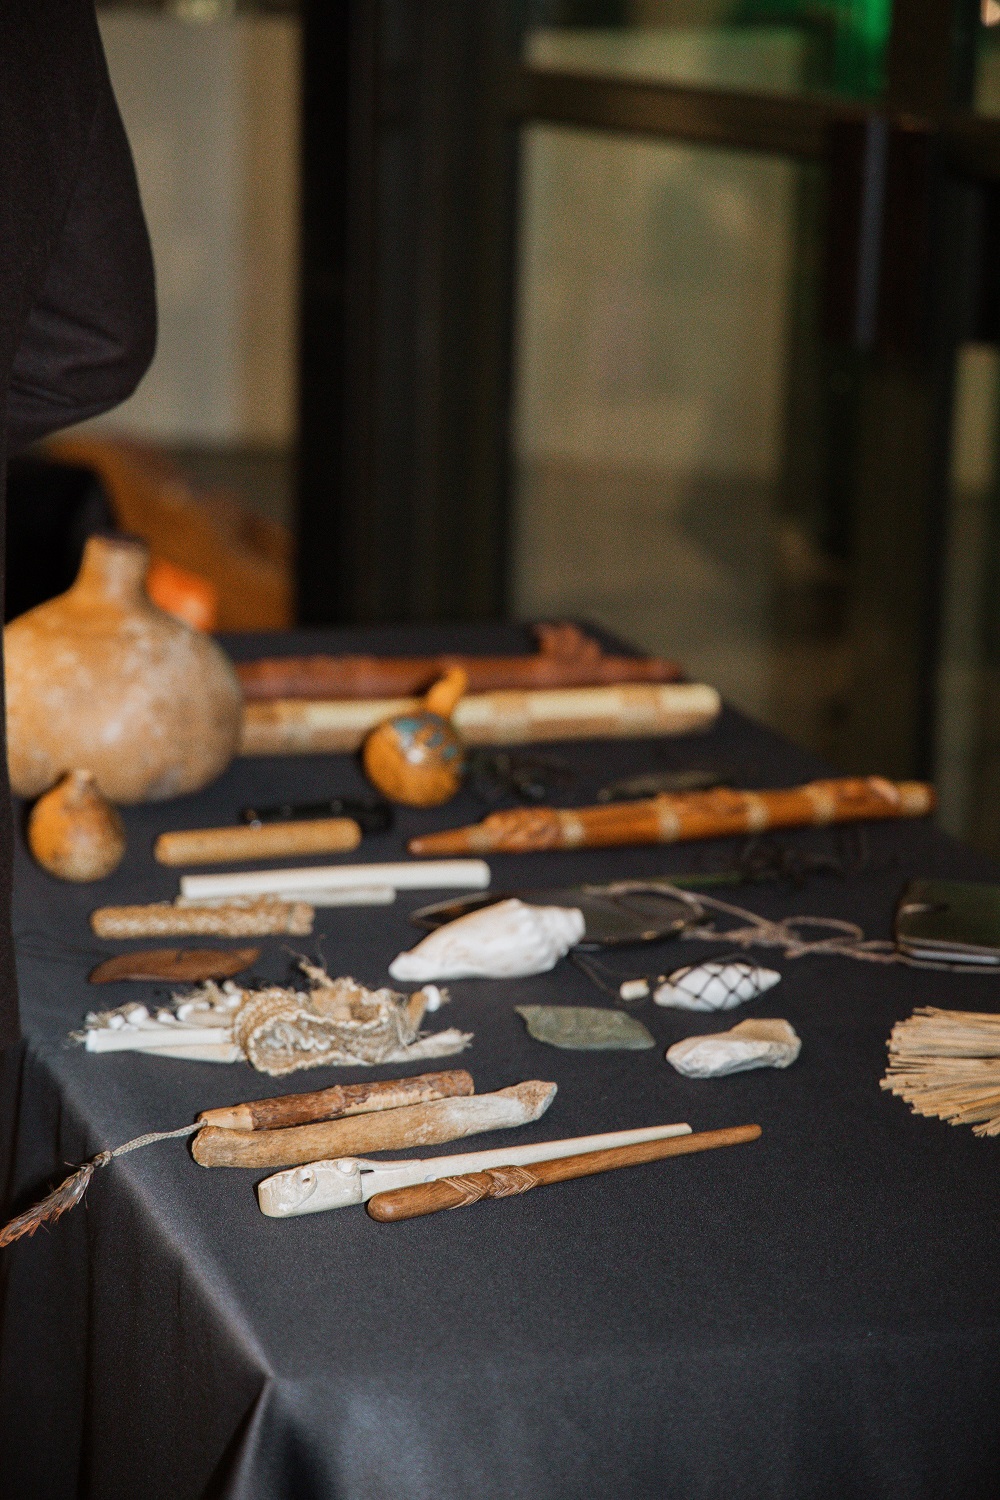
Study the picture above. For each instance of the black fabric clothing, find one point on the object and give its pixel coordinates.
(812, 1317)
(77, 306)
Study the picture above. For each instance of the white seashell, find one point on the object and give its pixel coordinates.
(751, 1044)
(714, 986)
(506, 941)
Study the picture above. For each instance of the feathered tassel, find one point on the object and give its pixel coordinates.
(66, 1196)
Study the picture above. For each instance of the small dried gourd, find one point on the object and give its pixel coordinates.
(418, 759)
(74, 833)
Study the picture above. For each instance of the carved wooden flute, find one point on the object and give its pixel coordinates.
(687, 815)
(507, 1182)
(339, 1101)
(567, 658)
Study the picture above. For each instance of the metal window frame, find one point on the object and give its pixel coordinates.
(404, 492)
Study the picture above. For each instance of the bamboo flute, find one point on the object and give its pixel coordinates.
(669, 819)
(567, 658)
(341, 1100)
(508, 1182)
(290, 726)
(389, 1130)
(206, 846)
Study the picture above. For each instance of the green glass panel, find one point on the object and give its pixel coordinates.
(967, 750)
(987, 90)
(786, 46)
(683, 449)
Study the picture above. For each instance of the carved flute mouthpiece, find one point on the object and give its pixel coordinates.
(684, 816)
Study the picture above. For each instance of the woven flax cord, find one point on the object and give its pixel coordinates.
(69, 1193)
(505, 1182)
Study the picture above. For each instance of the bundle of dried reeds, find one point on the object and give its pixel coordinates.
(946, 1064)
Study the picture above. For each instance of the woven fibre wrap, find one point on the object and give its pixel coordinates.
(281, 1031)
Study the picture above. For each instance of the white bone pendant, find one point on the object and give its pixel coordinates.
(507, 941)
(751, 1044)
(714, 985)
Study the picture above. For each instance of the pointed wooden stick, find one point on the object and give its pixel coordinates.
(506, 1182)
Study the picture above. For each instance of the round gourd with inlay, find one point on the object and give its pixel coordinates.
(418, 759)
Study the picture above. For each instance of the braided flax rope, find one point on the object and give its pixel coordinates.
(495, 1182)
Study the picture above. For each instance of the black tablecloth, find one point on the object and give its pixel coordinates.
(817, 1314)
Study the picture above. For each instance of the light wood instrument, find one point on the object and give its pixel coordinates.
(670, 819)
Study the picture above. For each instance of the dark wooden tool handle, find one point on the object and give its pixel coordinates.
(507, 1182)
(341, 1100)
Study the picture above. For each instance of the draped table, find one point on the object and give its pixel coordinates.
(817, 1314)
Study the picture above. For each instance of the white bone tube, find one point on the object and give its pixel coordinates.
(414, 875)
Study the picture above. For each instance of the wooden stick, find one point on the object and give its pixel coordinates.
(259, 918)
(341, 1100)
(206, 846)
(392, 1130)
(288, 726)
(452, 874)
(687, 815)
(505, 1182)
(567, 658)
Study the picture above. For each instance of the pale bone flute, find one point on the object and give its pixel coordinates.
(348, 1181)
(207, 846)
(388, 1130)
(261, 918)
(291, 726)
(345, 895)
(669, 819)
(451, 874)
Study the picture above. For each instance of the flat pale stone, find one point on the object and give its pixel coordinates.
(751, 1044)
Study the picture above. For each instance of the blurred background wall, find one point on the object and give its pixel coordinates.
(212, 113)
(679, 316)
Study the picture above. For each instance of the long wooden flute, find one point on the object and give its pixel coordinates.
(567, 658)
(670, 819)
(507, 1182)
